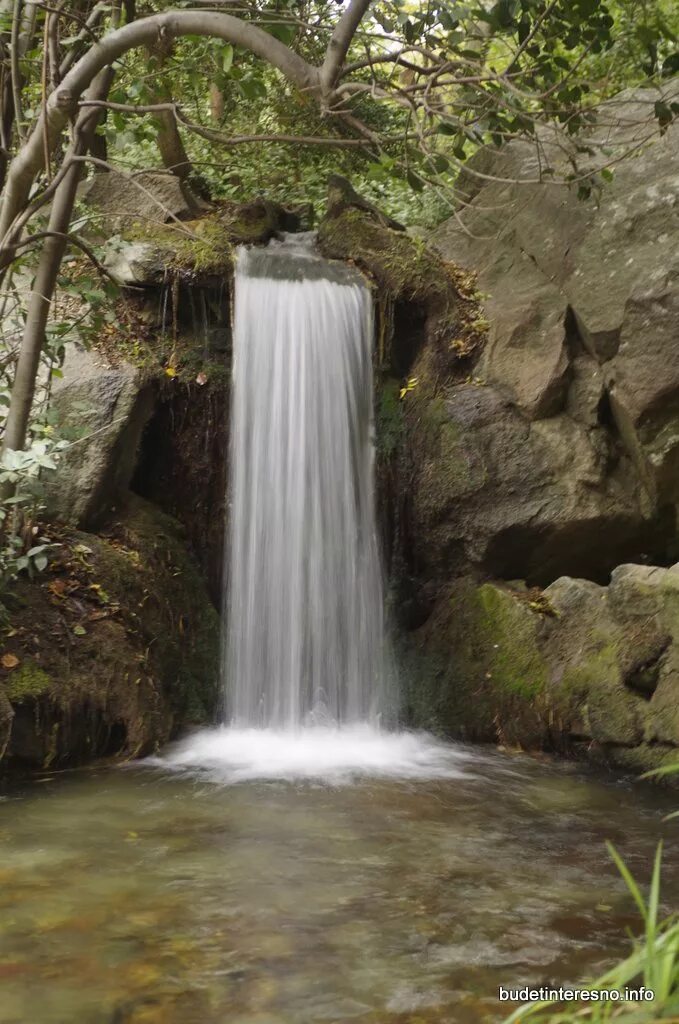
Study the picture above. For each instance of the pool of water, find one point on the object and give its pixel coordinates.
(180, 893)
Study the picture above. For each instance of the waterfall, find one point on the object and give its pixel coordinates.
(303, 643)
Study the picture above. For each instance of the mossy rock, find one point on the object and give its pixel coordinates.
(114, 648)
(203, 248)
(475, 670)
(28, 681)
(406, 271)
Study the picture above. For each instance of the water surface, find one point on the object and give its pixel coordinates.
(151, 895)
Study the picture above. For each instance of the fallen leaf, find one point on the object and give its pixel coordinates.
(9, 661)
(201, 378)
(79, 631)
(170, 371)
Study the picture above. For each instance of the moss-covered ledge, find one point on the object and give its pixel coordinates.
(406, 273)
(199, 251)
(112, 650)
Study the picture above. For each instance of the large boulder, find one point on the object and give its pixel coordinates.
(116, 199)
(101, 408)
(492, 490)
(573, 284)
(112, 649)
(560, 453)
(579, 667)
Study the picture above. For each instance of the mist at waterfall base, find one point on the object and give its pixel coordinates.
(308, 686)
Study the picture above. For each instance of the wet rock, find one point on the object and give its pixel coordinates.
(474, 670)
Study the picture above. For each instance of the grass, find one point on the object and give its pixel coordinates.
(653, 962)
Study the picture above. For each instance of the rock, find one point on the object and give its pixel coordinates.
(576, 667)
(493, 491)
(431, 300)
(102, 410)
(6, 716)
(567, 461)
(116, 646)
(183, 466)
(152, 197)
(474, 671)
(201, 251)
(135, 264)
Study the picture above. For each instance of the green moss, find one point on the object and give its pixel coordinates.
(475, 671)
(595, 667)
(389, 418)
(400, 262)
(592, 690)
(150, 570)
(27, 681)
(200, 246)
(407, 270)
(507, 633)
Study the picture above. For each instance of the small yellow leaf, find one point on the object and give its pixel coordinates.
(170, 371)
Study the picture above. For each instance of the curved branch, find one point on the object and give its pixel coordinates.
(62, 103)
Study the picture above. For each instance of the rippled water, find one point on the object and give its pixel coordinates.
(155, 895)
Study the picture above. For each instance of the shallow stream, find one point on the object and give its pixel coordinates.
(158, 895)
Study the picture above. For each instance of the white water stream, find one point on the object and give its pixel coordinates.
(306, 675)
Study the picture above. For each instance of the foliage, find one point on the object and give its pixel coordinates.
(22, 549)
(392, 93)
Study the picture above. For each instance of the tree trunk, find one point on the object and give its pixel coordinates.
(52, 254)
(172, 150)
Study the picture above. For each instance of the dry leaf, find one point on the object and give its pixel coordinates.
(9, 661)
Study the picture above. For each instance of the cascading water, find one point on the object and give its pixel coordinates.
(306, 680)
(303, 588)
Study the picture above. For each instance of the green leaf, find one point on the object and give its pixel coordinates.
(414, 181)
(79, 631)
(227, 58)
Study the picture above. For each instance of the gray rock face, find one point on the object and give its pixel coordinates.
(577, 440)
(519, 498)
(152, 197)
(102, 410)
(135, 264)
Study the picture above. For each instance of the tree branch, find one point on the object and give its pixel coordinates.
(62, 103)
(339, 44)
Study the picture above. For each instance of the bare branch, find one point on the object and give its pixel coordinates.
(220, 137)
(16, 70)
(339, 44)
